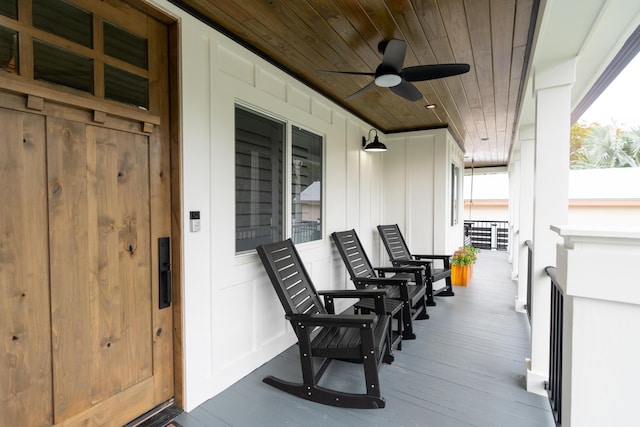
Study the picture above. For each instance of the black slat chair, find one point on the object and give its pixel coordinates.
(324, 335)
(399, 255)
(406, 284)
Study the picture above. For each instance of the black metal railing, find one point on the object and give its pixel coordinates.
(492, 235)
(529, 244)
(554, 385)
(306, 231)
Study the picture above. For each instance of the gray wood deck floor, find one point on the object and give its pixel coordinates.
(466, 368)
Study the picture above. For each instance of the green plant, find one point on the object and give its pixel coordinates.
(465, 255)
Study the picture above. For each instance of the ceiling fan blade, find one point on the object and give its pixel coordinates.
(394, 53)
(355, 73)
(430, 72)
(360, 91)
(407, 90)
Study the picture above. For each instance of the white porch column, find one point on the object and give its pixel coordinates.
(527, 156)
(552, 90)
(514, 215)
(598, 273)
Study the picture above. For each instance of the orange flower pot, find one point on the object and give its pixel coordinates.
(461, 274)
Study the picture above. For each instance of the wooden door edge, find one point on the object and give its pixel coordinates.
(176, 210)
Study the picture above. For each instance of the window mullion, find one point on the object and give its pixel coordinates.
(98, 65)
(288, 201)
(25, 40)
(276, 153)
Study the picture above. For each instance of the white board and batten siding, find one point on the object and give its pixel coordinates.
(233, 321)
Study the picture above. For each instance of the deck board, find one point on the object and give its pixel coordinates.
(466, 368)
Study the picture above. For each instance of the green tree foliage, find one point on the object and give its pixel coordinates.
(596, 146)
(632, 140)
(579, 132)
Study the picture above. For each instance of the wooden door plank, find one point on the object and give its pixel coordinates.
(134, 245)
(25, 356)
(100, 212)
(122, 343)
(71, 299)
(160, 222)
(107, 339)
(134, 401)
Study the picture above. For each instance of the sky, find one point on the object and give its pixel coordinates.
(619, 102)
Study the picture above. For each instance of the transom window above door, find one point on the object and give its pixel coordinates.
(59, 42)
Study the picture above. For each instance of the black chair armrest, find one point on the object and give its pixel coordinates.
(432, 256)
(376, 294)
(381, 281)
(412, 262)
(406, 269)
(343, 320)
(387, 281)
(427, 265)
(353, 293)
(445, 259)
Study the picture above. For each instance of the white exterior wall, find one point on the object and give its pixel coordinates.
(596, 196)
(417, 190)
(581, 212)
(220, 347)
(486, 210)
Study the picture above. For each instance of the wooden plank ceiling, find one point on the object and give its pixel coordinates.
(479, 107)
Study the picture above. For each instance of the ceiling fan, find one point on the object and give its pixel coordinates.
(391, 74)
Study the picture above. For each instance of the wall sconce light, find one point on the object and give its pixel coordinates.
(376, 145)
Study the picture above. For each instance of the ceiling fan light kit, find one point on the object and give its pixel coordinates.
(391, 74)
(388, 80)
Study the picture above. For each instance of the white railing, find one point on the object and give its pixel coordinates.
(598, 273)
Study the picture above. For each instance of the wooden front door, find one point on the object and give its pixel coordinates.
(85, 197)
(81, 213)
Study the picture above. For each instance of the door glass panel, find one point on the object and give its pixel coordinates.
(125, 46)
(9, 8)
(8, 50)
(122, 86)
(63, 19)
(60, 66)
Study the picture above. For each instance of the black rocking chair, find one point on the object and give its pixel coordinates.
(325, 335)
(399, 255)
(405, 285)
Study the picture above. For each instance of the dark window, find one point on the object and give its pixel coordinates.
(61, 66)
(259, 179)
(65, 20)
(306, 186)
(8, 50)
(125, 87)
(124, 45)
(9, 8)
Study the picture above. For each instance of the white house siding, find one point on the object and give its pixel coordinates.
(417, 189)
(596, 197)
(232, 319)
